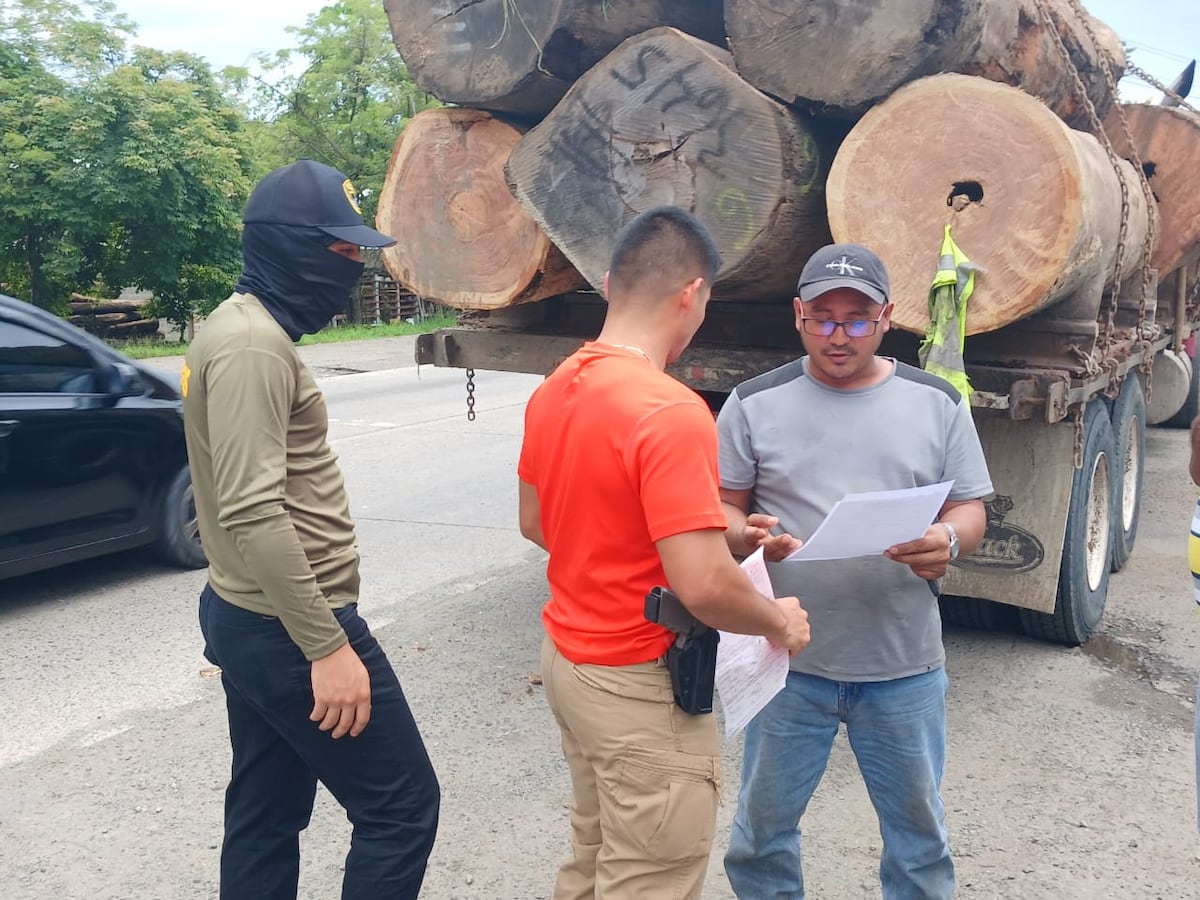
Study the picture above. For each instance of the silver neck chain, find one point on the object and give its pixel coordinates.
(638, 350)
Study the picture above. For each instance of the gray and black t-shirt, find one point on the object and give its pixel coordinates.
(801, 446)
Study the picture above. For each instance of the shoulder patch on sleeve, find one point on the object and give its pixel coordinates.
(767, 380)
(920, 376)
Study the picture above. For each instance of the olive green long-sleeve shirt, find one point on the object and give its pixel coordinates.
(272, 506)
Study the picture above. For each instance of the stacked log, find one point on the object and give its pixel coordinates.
(121, 319)
(1167, 140)
(520, 56)
(599, 109)
(841, 58)
(1042, 209)
(665, 119)
(460, 235)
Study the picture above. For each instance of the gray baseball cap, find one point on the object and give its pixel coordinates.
(844, 266)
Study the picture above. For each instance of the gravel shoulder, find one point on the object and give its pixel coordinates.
(1070, 772)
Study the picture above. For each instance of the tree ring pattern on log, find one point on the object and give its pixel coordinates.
(520, 56)
(461, 238)
(665, 120)
(467, 211)
(840, 57)
(1168, 143)
(479, 52)
(1045, 227)
(797, 51)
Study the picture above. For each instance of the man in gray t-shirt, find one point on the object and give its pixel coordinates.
(794, 441)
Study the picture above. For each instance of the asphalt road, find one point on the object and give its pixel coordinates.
(1070, 772)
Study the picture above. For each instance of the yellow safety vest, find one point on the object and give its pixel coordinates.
(941, 352)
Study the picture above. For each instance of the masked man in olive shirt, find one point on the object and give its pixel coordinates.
(310, 694)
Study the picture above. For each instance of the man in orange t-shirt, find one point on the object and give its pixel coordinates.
(618, 481)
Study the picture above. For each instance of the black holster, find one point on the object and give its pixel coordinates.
(692, 659)
(693, 665)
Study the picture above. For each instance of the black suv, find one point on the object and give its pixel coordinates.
(92, 455)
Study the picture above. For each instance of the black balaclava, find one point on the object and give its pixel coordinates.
(291, 270)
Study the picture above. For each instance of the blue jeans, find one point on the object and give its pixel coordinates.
(383, 777)
(897, 730)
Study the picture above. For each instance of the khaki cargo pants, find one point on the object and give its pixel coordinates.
(646, 778)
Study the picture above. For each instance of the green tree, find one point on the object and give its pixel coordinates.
(178, 177)
(33, 118)
(123, 166)
(46, 48)
(340, 96)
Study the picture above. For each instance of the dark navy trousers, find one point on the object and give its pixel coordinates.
(383, 777)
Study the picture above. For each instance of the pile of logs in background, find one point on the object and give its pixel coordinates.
(113, 319)
(782, 126)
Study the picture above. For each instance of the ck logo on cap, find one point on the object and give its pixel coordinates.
(348, 187)
(843, 266)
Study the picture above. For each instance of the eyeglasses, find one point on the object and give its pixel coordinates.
(854, 328)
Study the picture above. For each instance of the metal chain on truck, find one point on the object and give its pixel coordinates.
(1140, 73)
(470, 395)
(1145, 330)
(1145, 76)
(1107, 64)
(1108, 329)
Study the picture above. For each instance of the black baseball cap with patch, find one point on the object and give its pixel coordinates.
(844, 266)
(311, 194)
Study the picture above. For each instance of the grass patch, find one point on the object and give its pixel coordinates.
(139, 349)
(391, 329)
(149, 349)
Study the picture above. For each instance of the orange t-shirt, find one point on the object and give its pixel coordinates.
(622, 455)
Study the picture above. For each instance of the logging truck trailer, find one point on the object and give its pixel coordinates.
(1061, 404)
(506, 203)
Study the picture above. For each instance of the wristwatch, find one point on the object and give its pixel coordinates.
(953, 539)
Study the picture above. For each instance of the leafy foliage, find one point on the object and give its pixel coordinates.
(341, 96)
(123, 166)
(128, 167)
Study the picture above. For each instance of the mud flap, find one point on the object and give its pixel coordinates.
(1019, 559)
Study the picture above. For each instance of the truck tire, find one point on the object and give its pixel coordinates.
(1191, 406)
(1087, 546)
(967, 612)
(1129, 432)
(179, 540)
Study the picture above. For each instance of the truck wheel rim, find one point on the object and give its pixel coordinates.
(1099, 521)
(1129, 486)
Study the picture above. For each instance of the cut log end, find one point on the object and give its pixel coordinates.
(1029, 201)
(520, 56)
(461, 238)
(664, 120)
(796, 51)
(1168, 145)
(480, 53)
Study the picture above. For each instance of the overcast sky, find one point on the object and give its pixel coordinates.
(1165, 34)
(225, 32)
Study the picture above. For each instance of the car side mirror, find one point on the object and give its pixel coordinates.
(123, 380)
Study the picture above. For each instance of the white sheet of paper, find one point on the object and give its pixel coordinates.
(867, 524)
(750, 669)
